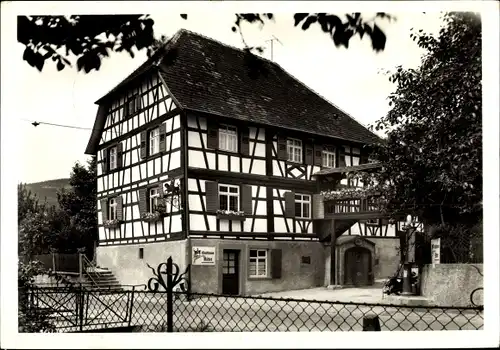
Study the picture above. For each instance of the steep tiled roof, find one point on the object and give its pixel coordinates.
(205, 75)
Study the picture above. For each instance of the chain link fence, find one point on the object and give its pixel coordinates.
(80, 310)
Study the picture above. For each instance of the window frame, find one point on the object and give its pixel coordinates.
(112, 209)
(113, 165)
(256, 260)
(152, 206)
(157, 138)
(296, 149)
(229, 132)
(327, 151)
(229, 194)
(135, 101)
(302, 203)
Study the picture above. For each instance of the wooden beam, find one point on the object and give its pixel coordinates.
(357, 216)
(333, 241)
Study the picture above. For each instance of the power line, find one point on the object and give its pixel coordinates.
(36, 123)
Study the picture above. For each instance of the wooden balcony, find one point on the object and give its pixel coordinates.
(353, 208)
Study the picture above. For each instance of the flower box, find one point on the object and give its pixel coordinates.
(152, 217)
(230, 215)
(111, 223)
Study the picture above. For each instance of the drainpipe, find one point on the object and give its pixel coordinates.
(80, 266)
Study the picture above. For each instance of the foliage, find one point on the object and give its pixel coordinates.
(90, 38)
(30, 320)
(77, 218)
(433, 152)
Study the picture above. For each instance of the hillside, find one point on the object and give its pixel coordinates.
(48, 189)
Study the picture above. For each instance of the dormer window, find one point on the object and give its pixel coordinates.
(294, 150)
(228, 138)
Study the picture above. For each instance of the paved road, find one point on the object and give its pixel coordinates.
(243, 314)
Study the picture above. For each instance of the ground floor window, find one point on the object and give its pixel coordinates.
(258, 263)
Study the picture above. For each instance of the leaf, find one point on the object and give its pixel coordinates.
(184, 16)
(299, 17)
(310, 20)
(60, 66)
(378, 39)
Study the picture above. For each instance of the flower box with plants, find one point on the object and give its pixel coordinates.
(111, 223)
(152, 217)
(230, 215)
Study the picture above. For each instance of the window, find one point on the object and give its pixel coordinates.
(133, 104)
(154, 194)
(141, 253)
(228, 138)
(328, 156)
(112, 158)
(112, 206)
(154, 141)
(294, 150)
(258, 263)
(303, 206)
(373, 221)
(229, 197)
(306, 260)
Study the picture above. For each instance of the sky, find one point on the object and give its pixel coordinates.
(349, 78)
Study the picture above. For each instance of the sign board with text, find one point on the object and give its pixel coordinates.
(203, 256)
(436, 250)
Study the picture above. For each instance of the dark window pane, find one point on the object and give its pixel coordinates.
(223, 202)
(253, 253)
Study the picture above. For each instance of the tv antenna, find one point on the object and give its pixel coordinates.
(272, 41)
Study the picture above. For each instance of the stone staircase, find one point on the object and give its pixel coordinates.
(101, 279)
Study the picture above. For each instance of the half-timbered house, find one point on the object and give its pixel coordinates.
(217, 158)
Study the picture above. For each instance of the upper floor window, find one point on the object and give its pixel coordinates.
(154, 141)
(112, 209)
(294, 150)
(328, 158)
(257, 263)
(154, 194)
(133, 104)
(113, 158)
(228, 138)
(229, 197)
(303, 206)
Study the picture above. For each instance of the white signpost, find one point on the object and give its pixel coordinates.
(436, 251)
(203, 256)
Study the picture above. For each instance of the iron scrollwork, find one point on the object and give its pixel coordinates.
(475, 290)
(162, 273)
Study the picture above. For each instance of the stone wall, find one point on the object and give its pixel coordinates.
(294, 274)
(386, 256)
(127, 266)
(451, 284)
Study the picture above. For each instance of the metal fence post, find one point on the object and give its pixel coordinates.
(371, 323)
(170, 289)
(81, 307)
(131, 307)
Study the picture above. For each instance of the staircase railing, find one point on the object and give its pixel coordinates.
(85, 264)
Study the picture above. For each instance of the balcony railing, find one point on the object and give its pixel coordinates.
(353, 208)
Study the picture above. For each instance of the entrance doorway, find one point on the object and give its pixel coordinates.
(357, 266)
(230, 272)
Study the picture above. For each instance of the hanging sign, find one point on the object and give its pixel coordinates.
(203, 256)
(436, 251)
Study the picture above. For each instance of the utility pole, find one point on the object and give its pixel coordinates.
(272, 46)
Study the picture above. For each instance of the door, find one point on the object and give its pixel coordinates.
(230, 272)
(357, 266)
